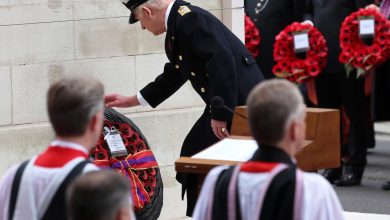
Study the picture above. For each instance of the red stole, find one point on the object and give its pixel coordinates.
(57, 156)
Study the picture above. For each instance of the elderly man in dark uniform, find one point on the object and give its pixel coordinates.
(200, 49)
(335, 89)
(271, 17)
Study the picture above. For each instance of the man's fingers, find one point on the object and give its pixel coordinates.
(221, 135)
(109, 98)
(225, 132)
(113, 104)
(215, 131)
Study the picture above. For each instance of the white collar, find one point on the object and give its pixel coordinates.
(167, 14)
(68, 144)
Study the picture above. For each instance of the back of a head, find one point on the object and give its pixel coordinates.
(97, 195)
(71, 103)
(271, 105)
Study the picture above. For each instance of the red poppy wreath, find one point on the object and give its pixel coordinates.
(355, 53)
(137, 164)
(252, 37)
(292, 67)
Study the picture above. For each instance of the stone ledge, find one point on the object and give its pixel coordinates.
(23, 141)
(5, 96)
(382, 128)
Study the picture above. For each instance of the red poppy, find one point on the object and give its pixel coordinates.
(354, 51)
(252, 37)
(288, 65)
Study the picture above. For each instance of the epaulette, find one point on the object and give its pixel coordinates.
(183, 10)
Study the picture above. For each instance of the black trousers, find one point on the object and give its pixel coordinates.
(200, 137)
(336, 90)
(381, 92)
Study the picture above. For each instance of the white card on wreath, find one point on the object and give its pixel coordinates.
(301, 42)
(116, 145)
(367, 27)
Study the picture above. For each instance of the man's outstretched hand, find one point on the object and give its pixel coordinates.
(116, 100)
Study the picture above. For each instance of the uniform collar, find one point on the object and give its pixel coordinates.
(68, 144)
(272, 154)
(167, 14)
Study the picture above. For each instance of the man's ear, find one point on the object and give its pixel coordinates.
(146, 11)
(94, 124)
(293, 130)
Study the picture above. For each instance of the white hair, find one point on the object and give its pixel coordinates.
(272, 106)
(153, 4)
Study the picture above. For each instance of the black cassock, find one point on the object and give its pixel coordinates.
(271, 17)
(200, 48)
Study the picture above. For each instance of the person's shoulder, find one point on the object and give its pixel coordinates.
(316, 181)
(190, 13)
(89, 167)
(10, 172)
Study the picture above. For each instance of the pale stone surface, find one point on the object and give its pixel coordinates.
(41, 40)
(173, 207)
(3, 2)
(4, 45)
(226, 4)
(5, 96)
(148, 67)
(117, 74)
(217, 13)
(109, 8)
(234, 20)
(166, 130)
(147, 42)
(164, 136)
(21, 142)
(207, 4)
(53, 3)
(113, 37)
(364, 216)
(44, 42)
(22, 14)
(382, 128)
(29, 100)
(99, 9)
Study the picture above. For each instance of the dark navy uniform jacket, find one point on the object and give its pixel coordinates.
(203, 50)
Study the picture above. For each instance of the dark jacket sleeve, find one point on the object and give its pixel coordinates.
(209, 43)
(163, 86)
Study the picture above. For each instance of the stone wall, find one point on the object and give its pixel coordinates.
(41, 41)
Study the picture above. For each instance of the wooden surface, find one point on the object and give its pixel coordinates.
(322, 127)
(322, 145)
(203, 166)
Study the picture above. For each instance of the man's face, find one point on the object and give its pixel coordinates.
(151, 21)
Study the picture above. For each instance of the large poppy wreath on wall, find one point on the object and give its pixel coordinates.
(139, 165)
(355, 53)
